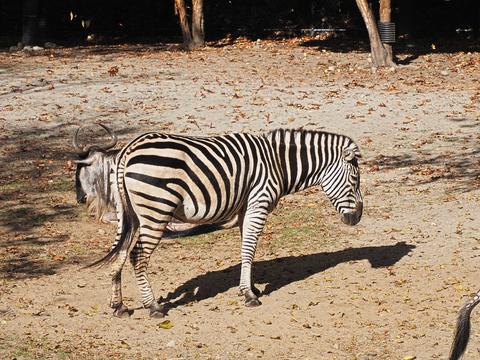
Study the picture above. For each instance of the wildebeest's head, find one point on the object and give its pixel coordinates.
(92, 175)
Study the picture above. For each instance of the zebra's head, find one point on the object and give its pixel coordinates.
(92, 175)
(341, 184)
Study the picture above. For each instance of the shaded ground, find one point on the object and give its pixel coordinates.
(385, 289)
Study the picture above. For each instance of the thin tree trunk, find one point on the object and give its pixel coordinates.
(304, 12)
(30, 22)
(386, 16)
(198, 30)
(379, 54)
(181, 11)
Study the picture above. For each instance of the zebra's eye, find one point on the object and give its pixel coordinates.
(354, 162)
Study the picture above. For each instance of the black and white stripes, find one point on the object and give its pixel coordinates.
(212, 179)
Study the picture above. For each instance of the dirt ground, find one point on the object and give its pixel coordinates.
(388, 288)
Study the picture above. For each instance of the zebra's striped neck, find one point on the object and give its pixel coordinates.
(303, 155)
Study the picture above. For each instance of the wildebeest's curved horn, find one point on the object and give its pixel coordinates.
(84, 151)
(113, 138)
(77, 147)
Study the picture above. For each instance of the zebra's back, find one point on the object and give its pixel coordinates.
(203, 179)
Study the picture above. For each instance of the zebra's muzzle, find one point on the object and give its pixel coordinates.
(354, 216)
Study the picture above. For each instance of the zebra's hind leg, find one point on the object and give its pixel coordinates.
(140, 256)
(251, 226)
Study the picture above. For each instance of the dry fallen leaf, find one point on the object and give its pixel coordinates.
(167, 324)
(113, 71)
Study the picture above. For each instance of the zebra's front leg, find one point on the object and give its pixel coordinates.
(116, 302)
(251, 226)
(139, 258)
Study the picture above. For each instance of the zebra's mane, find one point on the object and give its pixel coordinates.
(284, 134)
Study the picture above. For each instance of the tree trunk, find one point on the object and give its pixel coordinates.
(30, 22)
(198, 30)
(181, 11)
(386, 16)
(379, 54)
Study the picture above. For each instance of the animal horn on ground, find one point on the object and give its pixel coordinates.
(462, 330)
(85, 150)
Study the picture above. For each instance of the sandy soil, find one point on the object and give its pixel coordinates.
(388, 288)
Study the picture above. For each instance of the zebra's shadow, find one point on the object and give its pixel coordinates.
(277, 273)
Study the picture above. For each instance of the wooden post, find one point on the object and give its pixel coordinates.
(198, 30)
(181, 11)
(379, 54)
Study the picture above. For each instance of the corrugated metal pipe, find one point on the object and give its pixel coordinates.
(387, 32)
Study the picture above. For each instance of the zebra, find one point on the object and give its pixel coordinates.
(211, 179)
(462, 330)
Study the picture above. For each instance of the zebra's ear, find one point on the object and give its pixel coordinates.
(348, 154)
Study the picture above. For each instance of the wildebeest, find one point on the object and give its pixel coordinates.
(462, 331)
(92, 176)
(94, 180)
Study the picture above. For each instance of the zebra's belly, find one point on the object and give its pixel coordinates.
(199, 213)
(186, 213)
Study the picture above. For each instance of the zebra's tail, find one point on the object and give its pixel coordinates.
(128, 222)
(462, 331)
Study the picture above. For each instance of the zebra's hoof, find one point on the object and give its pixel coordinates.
(121, 311)
(252, 302)
(254, 292)
(157, 311)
